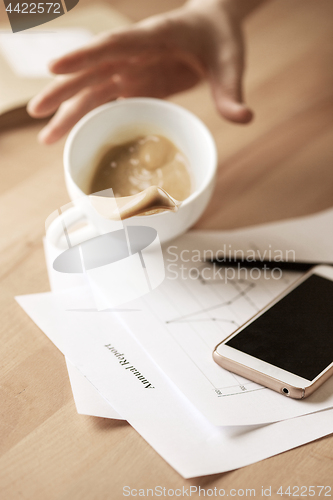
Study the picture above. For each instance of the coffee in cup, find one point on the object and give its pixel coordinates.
(147, 174)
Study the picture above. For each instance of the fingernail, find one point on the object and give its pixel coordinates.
(51, 64)
(42, 136)
(31, 105)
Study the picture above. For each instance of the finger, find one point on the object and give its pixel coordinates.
(158, 79)
(75, 108)
(48, 101)
(117, 46)
(226, 74)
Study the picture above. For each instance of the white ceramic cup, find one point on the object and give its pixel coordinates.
(125, 119)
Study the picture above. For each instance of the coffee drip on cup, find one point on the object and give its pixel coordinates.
(150, 201)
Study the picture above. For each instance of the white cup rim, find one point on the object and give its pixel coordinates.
(145, 100)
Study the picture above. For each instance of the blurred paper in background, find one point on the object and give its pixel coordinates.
(24, 56)
(28, 54)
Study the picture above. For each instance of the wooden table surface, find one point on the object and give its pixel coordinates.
(278, 167)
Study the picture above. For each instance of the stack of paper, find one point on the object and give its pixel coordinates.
(150, 360)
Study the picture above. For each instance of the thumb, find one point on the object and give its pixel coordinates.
(225, 74)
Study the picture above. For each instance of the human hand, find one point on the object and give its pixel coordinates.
(157, 57)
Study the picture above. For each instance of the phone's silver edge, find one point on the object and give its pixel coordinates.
(262, 378)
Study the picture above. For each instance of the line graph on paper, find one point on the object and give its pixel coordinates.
(195, 316)
(201, 311)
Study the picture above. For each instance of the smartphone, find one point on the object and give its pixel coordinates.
(288, 346)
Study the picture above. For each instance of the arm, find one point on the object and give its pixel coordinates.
(156, 57)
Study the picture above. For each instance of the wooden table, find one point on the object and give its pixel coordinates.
(278, 167)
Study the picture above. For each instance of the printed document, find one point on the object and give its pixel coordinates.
(106, 354)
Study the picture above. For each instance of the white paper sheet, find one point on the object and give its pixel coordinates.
(126, 377)
(303, 239)
(28, 54)
(190, 316)
(181, 322)
(217, 309)
(87, 399)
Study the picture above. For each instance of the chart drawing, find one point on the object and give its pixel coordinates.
(215, 308)
(239, 292)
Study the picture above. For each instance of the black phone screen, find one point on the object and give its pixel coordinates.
(296, 334)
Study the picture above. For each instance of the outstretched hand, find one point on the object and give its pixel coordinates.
(157, 57)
